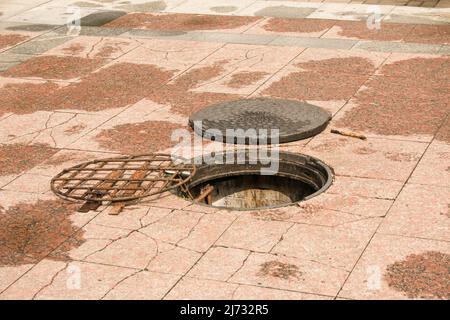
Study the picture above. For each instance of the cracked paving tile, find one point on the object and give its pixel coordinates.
(143, 286)
(219, 263)
(207, 231)
(95, 47)
(27, 286)
(55, 129)
(134, 217)
(95, 281)
(173, 259)
(133, 250)
(173, 227)
(253, 234)
(96, 238)
(173, 55)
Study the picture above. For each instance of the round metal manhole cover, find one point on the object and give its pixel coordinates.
(259, 121)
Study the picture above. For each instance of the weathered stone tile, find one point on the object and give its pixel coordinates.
(33, 281)
(34, 225)
(436, 34)
(402, 14)
(332, 79)
(84, 281)
(343, 11)
(245, 67)
(211, 7)
(130, 218)
(29, 183)
(290, 274)
(245, 292)
(289, 41)
(358, 61)
(54, 129)
(364, 187)
(385, 46)
(199, 289)
(183, 22)
(253, 234)
(52, 15)
(233, 38)
(175, 55)
(434, 167)
(420, 211)
(369, 30)
(311, 213)
(55, 67)
(173, 227)
(372, 158)
(219, 263)
(143, 286)
(134, 251)
(292, 27)
(95, 47)
(41, 44)
(11, 275)
(10, 39)
(173, 259)
(393, 267)
(339, 246)
(280, 9)
(207, 231)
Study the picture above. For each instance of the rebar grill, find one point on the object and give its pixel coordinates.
(122, 179)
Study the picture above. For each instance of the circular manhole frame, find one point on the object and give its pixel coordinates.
(318, 169)
(295, 120)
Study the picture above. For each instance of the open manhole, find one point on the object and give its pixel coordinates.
(229, 184)
(259, 121)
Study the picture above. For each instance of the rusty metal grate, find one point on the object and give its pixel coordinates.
(122, 179)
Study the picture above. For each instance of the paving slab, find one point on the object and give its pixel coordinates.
(135, 72)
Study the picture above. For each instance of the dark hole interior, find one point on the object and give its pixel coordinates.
(253, 191)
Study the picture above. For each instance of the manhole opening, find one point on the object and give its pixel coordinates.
(244, 187)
